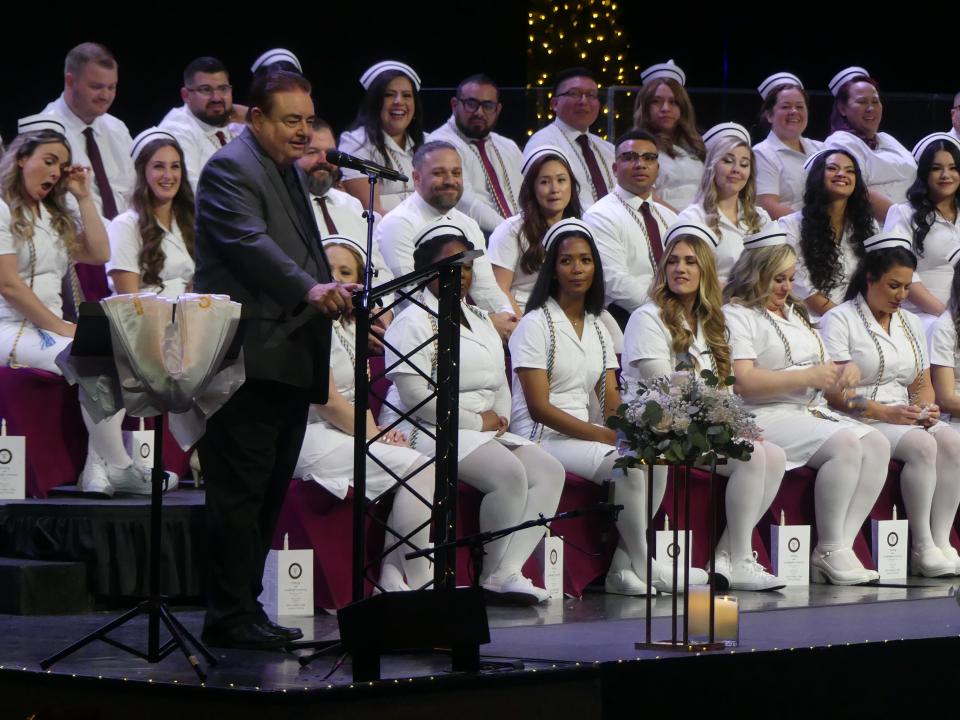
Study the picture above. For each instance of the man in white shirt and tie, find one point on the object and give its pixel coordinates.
(438, 181)
(202, 124)
(491, 162)
(97, 139)
(576, 103)
(628, 225)
(336, 212)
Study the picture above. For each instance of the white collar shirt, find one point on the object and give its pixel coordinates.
(197, 138)
(396, 233)
(625, 251)
(563, 136)
(942, 337)
(392, 192)
(114, 142)
(731, 235)
(505, 250)
(933, 269)
(479, 201)
(126, 244)
(780, 168)
(679, 177)
(904, 349)
(889, 170)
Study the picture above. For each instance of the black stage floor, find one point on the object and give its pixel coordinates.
(574, 658)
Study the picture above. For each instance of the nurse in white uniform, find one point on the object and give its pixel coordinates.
(895, 395)
(548, 194)
(945, 351)
(39, 240)
(780, 158)
(931, 219)
(326, 457)
(782, 368)
(520, 481)
(727, 199)
(683, 323)
(388, 130)
(664, 109)
(828, 234)
(565, 386)
(888, 167)
(151, 244)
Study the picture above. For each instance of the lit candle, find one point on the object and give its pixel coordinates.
(727, 620)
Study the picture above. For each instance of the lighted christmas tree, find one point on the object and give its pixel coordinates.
(569, 34)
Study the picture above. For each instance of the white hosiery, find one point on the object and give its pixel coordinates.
(751, 487)
(837, 463)
(918, 482)
(946, 497)
(874, 465)
(408, 513)
(508, 479)
(106, 438)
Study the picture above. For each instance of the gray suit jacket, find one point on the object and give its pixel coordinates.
(252, 245)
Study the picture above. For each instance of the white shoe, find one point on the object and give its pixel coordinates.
(723, 571)
(514, 589)
(662, 577)
(93, 478)
(931, 562)
(136, 479)
(952, 555)
(391, 580)
(626, 582)
(836, 568)
(751, 575)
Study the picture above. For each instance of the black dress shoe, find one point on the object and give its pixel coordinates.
(287, 633)
(245, 636)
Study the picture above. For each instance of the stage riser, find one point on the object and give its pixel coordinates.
(43, 588)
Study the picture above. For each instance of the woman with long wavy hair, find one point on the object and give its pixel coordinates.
(781, 369)
(549, 193)
(931, 218)
(727, 199)
(40, 238)
(388, 130)
(664, 109)
(683, 324)
(151, 244)
(828, 233)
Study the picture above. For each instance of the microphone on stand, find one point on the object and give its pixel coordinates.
(335, 157)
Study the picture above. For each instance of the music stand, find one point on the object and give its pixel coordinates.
(93, 342)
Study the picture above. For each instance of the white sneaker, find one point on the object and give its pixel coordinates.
(391, 580)
(93, 478)
(514, 589)
(951, 552)
(662, 577)
(931, 562)
(723, 571)
(135, 479)
(751, 575)
(626, 582)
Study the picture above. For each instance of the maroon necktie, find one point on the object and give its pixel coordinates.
(503, 207)
(596, 177)
(100, 176)
(322, 202)
(653, 232)
(221, 137)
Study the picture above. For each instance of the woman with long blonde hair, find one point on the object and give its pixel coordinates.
(683, 324)
(727, 199)
(782, 370)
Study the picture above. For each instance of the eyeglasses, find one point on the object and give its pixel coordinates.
(578, 95)
(632, 157)
(472, 105)
(209, 90)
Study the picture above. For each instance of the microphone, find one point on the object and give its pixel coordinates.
(335, 157)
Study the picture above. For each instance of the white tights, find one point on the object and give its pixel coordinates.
(850, 474)
(410, 516)
(930, 484)
(518, 485)
(106, 439)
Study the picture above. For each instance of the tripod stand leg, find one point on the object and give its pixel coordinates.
(180, 641)
(95, 635)
(188, 636)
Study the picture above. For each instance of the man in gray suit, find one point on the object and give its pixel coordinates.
(257, 241)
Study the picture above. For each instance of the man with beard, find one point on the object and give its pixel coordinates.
(491, 162)
(438, 182)
(202, 125)
(336, 212)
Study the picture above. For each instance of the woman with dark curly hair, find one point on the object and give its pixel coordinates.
(151, 244)
(828, 233)
(931, 219)
(388, 130)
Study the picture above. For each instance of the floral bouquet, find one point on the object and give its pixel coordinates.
(683, 419)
